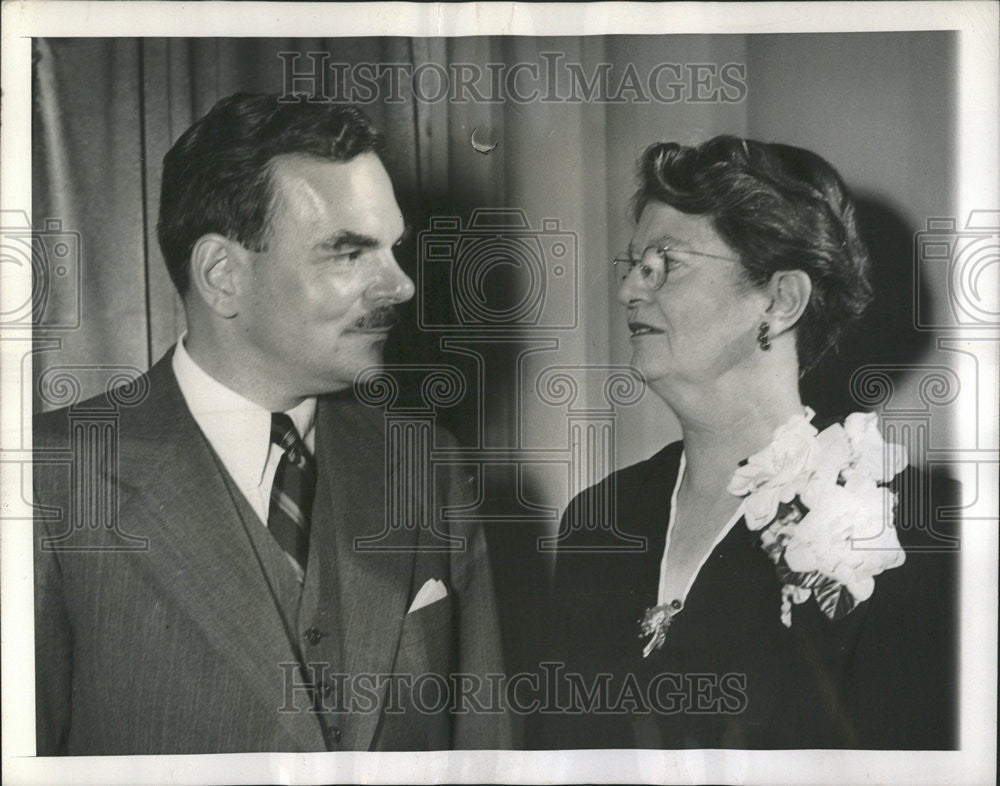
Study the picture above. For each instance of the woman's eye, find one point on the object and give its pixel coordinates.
(669, 262)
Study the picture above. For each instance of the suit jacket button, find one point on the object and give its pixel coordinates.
(313, 635)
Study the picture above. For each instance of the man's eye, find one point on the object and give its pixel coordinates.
(348, 256)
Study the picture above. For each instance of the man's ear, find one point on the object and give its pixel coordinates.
(216, 265)
(790, 291)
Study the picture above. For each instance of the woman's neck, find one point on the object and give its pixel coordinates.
(728, 423)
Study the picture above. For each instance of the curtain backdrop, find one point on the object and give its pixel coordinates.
(877, 106)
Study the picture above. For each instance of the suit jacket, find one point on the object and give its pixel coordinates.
(730, 674)
(163, 623)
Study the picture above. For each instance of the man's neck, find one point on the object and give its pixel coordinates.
(239, 378)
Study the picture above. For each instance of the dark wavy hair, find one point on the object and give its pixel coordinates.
(217, 176)
(780, 208)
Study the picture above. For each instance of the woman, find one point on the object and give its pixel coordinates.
(774, 605)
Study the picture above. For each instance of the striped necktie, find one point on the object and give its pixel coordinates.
(292, 492)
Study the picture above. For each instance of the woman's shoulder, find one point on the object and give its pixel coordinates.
(926, 505)
(657, 471)
(626, 499)
(665, 460)
(927, 524)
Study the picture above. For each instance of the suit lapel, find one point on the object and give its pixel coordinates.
(173, 493)
(374, 578)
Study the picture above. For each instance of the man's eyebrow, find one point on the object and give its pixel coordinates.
(345, 238)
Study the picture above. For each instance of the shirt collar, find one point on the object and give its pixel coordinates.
(238, 429)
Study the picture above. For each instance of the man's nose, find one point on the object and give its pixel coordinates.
(391, 283)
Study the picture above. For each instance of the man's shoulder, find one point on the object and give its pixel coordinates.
(125, 404)
(52, 428)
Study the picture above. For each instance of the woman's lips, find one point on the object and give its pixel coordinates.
(642, 329)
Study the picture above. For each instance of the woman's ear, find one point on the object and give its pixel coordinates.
(790, 291)
(216, 263)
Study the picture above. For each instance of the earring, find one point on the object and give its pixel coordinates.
(762, 338)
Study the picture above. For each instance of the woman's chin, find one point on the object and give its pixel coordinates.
(651, 370)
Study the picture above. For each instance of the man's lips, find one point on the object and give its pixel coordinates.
(642, 329)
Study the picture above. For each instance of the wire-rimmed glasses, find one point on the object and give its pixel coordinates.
(653, 263)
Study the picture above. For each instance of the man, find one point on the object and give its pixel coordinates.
(252, 616)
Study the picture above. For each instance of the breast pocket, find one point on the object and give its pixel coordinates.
(425, 640)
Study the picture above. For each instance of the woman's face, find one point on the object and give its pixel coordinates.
(701, 324)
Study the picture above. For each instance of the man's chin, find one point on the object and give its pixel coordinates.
(362, 363)
(367, 345)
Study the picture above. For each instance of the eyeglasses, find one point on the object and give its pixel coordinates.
(653, 264)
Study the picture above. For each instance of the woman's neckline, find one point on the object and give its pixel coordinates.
(664, 589)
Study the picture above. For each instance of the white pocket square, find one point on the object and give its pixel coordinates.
(433, 590)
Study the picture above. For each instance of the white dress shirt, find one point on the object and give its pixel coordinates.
(239, 430)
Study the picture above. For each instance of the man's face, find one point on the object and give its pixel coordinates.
(316, 304)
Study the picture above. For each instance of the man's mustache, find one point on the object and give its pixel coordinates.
(382, 317)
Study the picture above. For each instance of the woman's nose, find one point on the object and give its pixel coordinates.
(631, 289)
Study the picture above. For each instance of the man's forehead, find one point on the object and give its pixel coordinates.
(308, 188)
(296, 171)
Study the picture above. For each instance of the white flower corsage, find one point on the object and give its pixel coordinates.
(825, 519)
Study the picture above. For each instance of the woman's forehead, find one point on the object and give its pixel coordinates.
(662, 224)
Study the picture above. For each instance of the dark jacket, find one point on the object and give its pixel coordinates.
(730, 674)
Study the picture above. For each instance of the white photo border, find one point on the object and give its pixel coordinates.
(978, 175)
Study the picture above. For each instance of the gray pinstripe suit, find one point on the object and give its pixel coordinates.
(192, 644)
